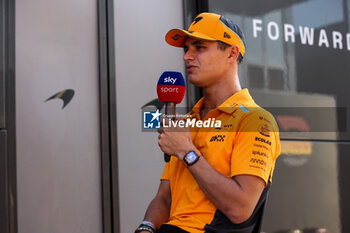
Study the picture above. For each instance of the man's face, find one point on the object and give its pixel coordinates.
(205, 63)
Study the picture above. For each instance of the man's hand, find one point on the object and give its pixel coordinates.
(175, 140)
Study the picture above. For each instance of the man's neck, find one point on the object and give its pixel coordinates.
(215, 95)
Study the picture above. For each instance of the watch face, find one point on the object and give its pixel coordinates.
(191, 157)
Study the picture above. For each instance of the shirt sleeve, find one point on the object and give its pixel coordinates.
(256, 146)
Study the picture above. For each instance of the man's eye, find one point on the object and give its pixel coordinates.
(198, 47)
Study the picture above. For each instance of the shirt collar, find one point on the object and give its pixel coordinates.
(235, 101)
(196, 110)
(229, 106)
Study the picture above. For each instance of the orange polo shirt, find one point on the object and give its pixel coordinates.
(246, 143)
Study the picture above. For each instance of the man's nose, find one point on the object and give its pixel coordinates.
(188, 55)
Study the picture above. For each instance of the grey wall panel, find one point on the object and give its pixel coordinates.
(141, 56)
(2, 68)
(2, 101)
(4, 226)
(58, 149)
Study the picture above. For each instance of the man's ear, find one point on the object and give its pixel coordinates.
(233, 53)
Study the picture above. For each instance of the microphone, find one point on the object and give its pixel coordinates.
(171, 90)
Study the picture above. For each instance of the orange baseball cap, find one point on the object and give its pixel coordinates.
(209, 26)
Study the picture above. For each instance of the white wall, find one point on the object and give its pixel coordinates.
(141, 56)
(58, 151)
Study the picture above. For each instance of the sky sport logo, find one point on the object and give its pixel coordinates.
(151, 119)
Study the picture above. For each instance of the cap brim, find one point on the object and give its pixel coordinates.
(177, 37)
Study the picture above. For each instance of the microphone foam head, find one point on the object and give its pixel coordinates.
(171, 87)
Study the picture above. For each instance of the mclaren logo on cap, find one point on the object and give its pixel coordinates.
(226, 35)
(196, 20)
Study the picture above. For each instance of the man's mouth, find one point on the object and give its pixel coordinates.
(190, 68)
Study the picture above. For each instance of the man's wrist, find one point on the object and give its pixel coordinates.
(148, 223)
(187, 149)
(146, 226)
(192, 157)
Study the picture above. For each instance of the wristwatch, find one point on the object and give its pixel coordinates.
(192, 157)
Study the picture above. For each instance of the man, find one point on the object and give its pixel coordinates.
(216, 180)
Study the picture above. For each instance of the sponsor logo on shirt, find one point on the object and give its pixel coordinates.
(262, 146)
(263, 140)
(256, 152)
(258, 161)
(218, 138)
(264, 130)
(258, 167)
(264, 119)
